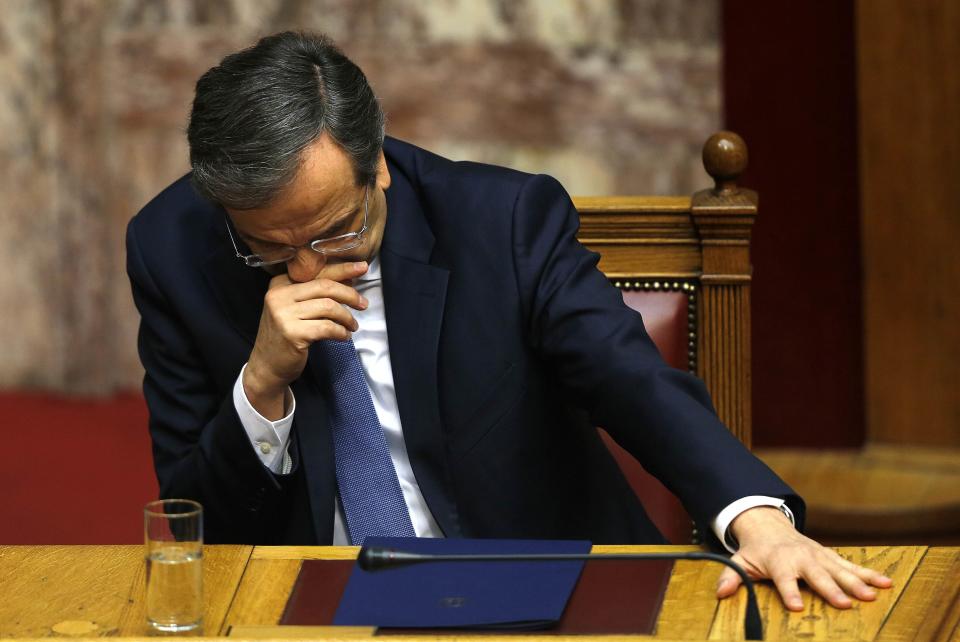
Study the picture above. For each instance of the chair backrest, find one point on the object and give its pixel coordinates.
(684, 263)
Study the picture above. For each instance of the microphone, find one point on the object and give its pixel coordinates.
(375, 558)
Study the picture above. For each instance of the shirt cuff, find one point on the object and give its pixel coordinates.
(721, 524)
(270, 439)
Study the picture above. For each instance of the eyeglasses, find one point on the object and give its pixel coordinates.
(284, 253)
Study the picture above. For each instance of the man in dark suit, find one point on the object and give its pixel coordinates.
(346, 336)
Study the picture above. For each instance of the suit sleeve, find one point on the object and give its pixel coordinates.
(200, 448)
(602, 354)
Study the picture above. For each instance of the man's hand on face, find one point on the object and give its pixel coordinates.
(771, 548)
(296, 315)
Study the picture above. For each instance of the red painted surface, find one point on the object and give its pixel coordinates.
(790, 91)
(74, 471)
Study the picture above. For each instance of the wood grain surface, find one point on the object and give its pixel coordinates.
(929, 606)
(818, 620)
(86, 592)
(98, 590)
(268, 581)
(263, 592)
(592, 204)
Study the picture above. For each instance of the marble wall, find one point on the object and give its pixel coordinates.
(610, 96)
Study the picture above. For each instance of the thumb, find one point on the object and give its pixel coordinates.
(729, 581)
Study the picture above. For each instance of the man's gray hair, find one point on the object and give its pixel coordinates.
(255, 113)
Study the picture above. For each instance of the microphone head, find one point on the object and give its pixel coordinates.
(374, 558)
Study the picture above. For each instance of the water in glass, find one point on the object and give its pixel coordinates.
(174, 588)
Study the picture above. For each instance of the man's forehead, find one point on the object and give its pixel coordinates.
(325, 178)
(323, 192)
(287, 223)
(326, 166)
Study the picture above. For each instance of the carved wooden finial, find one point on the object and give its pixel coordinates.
(725, 158)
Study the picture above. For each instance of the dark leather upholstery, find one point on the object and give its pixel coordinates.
(665, 317)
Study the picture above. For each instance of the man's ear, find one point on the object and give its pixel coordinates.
(383, 173)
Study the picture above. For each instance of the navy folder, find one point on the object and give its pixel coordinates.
(462, 594)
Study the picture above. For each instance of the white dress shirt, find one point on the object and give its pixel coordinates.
(270, 439)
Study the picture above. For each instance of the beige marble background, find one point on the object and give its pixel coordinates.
(612, 97)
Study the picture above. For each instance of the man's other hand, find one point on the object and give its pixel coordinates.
(771, 548)
(296, 315)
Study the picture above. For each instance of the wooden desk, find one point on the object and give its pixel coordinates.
(98, 591)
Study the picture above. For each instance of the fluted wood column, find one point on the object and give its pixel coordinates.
(723, 217)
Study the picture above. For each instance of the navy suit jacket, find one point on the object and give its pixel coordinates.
(508, 347)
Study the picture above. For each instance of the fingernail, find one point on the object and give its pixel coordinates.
(363, 301)
(359, 265)
(796, 603)
(722, 583)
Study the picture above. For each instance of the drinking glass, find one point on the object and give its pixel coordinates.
(173, 537)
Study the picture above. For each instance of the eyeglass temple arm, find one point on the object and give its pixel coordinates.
(233, 241)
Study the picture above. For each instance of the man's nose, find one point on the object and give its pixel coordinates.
(306, 265)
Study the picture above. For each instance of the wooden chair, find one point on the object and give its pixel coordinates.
(684, 263)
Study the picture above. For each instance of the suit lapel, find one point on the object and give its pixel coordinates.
(414, 294)
(311, 423)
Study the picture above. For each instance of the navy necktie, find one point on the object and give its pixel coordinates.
(369, 489)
